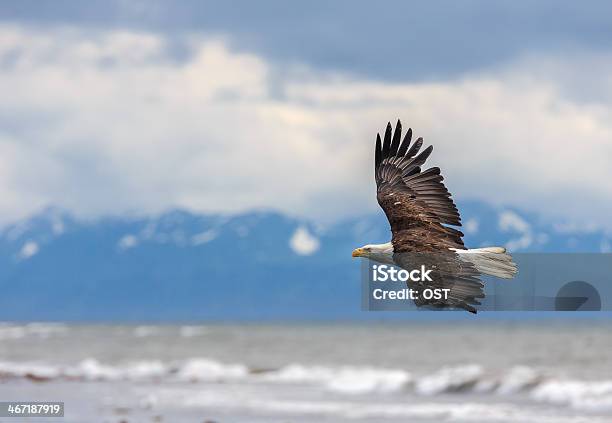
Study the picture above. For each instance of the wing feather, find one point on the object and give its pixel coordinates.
(387, 141)
(412, 197)
(395, 143)
(415, 147)
(405, 144)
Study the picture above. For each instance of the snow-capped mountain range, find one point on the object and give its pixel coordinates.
(181, 265)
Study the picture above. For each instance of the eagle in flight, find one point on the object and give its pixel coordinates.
(423, 217)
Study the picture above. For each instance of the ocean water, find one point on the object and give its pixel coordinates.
(479, 371)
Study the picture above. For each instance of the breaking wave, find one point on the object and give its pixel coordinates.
(466, 379)
(345, 379)
(581, 395)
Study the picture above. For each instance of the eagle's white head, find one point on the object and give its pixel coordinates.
(382, 253)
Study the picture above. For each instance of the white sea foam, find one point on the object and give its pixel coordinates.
(91, 369)
(202, 369)
(518, 379)
(343, 379)
(146, 370)
(32, 370)
(582, 395)
(450, 379)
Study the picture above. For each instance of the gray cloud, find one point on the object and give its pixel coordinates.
(399, 40)
(108, 122)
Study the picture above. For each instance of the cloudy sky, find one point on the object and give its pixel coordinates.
(137, 107)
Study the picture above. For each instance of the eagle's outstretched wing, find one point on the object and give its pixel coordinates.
(419, 208)
(417, 203)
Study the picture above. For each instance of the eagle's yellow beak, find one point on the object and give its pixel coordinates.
(358, 252)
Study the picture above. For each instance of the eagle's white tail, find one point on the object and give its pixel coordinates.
(493, 261)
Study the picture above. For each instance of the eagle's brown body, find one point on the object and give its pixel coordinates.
(414, 230)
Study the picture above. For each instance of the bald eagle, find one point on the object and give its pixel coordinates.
(422, 216)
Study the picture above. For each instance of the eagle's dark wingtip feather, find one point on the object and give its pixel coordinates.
(415, 147)
(387, 141)
(397, 136)
(405, 144)
(421, 158)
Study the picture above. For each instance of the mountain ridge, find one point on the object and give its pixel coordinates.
(190, 266)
